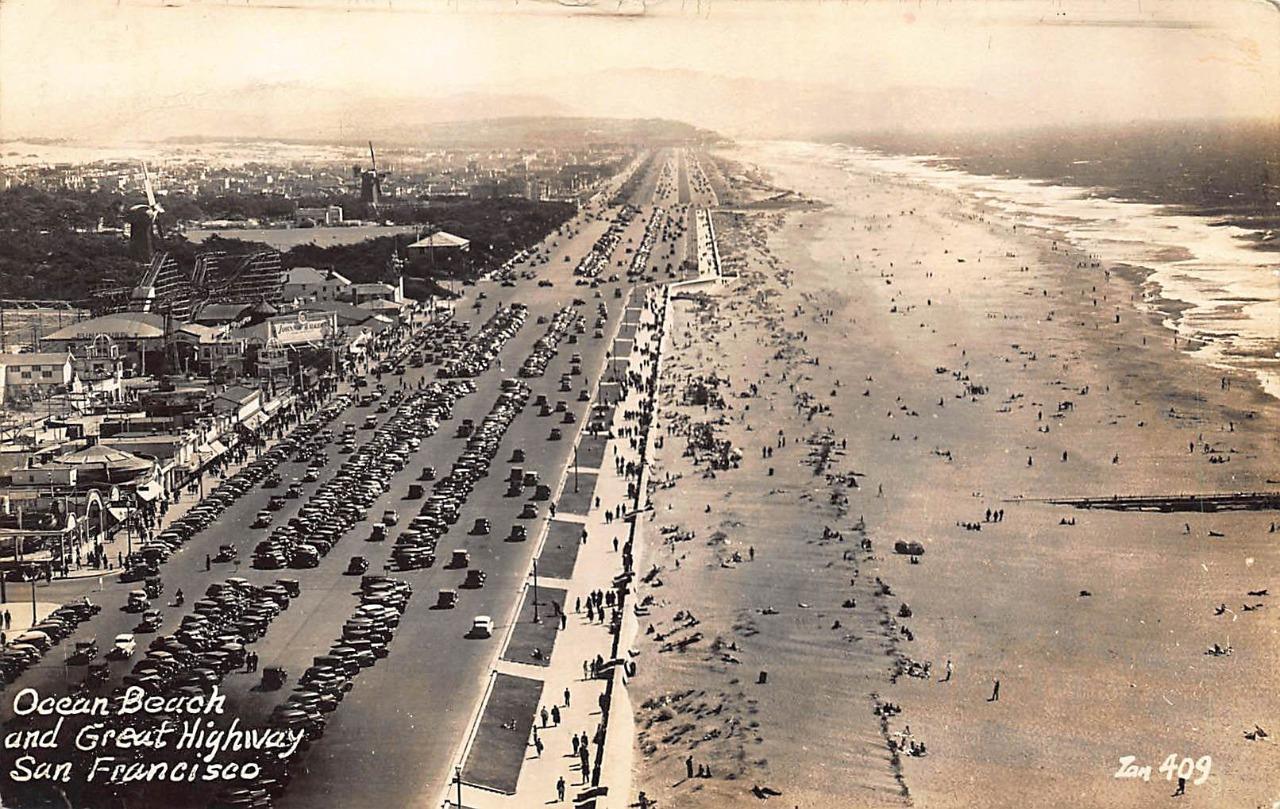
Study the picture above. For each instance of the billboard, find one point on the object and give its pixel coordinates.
(304, 327)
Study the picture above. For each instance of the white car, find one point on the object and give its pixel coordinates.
(124, 646)
(482, 627)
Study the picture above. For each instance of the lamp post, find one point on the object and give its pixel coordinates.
(457, 777)
(128, 528)
(536, 619)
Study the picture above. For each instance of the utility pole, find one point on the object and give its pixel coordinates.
(457, 776)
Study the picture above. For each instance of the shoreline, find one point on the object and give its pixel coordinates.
(1012, 332)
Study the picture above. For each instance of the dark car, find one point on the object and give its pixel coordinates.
(357, 566)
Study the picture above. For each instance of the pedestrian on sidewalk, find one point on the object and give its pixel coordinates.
(688, 767)
(566, 698)
(560, 790)
(995, 691)
(544, 716)
(537, 745)
(555, 715)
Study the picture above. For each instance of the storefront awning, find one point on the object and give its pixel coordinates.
(149, 491)
(255, 421)
(118, 513)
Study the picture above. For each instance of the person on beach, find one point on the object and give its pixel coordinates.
(995, 691)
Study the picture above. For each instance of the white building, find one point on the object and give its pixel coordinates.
(38, 375)
(310, 284)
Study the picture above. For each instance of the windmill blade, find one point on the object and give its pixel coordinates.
(146, 182)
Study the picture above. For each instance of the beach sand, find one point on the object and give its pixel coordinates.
(902, 338)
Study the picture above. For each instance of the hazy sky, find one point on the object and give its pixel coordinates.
(111, 69)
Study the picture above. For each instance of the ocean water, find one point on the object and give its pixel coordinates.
(1229, 291)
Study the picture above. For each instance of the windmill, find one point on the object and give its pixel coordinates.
(371, 183)
(144, 222)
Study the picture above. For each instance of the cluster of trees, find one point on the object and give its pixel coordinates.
(497, 229)
(48, 248)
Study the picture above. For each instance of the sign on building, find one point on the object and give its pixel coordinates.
(304, 327)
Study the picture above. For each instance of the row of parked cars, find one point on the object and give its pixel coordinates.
(640, 259)
(212, 639)
(145, 562)
(597, 259)
(363, 642)
(324, 685)
(564, 322)
(449, 493)
(474, 357)
(26, 648)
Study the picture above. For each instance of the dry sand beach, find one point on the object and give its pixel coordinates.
(895, 362)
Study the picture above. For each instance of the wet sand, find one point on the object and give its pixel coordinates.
(957, 359)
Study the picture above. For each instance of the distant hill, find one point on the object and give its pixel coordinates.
(511, 131)
(296, 112)
(545, 130)
(746, 107)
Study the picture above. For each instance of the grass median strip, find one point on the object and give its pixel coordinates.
(498, 751)
(532, 643)
(560, 551)
(576, 502)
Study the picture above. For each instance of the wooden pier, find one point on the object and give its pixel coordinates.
(1168, 503)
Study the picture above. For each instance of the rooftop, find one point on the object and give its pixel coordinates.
(120, 326)
(35, 358)
(441, 240)
(310, 275)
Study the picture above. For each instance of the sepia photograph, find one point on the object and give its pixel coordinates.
(857, 404)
